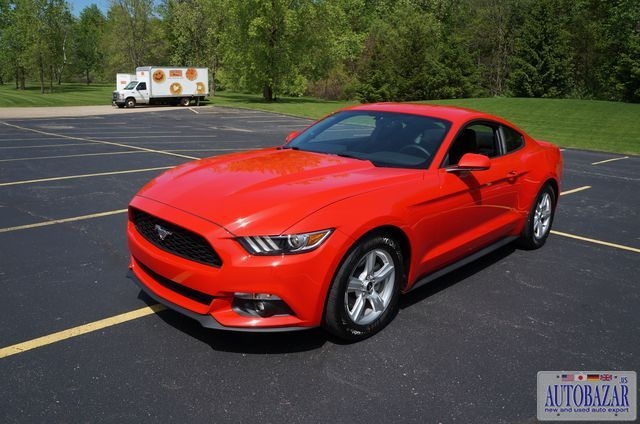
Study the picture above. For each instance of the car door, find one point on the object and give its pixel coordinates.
(142, 93)
(475, 208)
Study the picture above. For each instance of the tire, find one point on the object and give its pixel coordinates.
(185, 101)
(130, 102)
(364, 294)
(539, 221)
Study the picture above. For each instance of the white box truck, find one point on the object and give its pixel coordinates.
(161, 85)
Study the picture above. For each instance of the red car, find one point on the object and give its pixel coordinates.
(331, 227)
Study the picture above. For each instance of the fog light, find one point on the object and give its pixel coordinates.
(263, 305)
(256, 296)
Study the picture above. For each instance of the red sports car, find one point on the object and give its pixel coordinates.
(331, 227)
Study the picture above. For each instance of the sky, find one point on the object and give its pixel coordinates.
(78, 5)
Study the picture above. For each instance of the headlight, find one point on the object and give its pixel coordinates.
(285, 244)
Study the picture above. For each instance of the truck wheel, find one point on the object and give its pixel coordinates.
(185, 101)
(130, 102)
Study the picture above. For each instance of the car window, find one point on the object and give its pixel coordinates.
(386, 139)
(479, 138)
(142, 86)
(353, 127)
(513, 140)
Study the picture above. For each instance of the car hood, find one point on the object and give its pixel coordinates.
(266, 191)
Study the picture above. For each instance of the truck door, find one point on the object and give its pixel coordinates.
(142, 93)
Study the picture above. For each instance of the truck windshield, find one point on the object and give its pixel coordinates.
(131, 85)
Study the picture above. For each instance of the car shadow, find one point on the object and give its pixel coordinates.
(454, 277)
(243, 342)
(314, 338)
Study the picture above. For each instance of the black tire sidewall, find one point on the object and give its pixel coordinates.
(528, 240)
(336, 319)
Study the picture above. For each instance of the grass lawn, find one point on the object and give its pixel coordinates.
(584, 124)
(63, 95)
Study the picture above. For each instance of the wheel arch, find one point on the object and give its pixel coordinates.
(555, 186)
(385, 231)
(391, 231)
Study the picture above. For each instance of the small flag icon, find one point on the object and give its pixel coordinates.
(593, 377)
(605, 377)
(580, 377)
(567, 377)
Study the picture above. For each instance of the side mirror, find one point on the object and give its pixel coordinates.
(471, 162)
(291, 136)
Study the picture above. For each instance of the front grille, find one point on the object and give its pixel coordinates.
(174, 239)
(195, 295)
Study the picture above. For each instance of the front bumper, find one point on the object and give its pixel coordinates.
(206, 321)
(209, 294)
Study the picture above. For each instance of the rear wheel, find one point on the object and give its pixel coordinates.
(185, 101)
(130, 102)
(363, 297)
(540, 218)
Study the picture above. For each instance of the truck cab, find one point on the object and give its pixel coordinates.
(136, 92)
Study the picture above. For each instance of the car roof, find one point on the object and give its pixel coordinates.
(449, 113)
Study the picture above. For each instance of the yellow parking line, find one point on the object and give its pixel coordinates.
(70, 156)
(590, 240)
(575, 190)
(610, 160)
(90, 140)
(61, 221)
(70, 177)
(78, 331)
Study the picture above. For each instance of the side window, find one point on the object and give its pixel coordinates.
(142, 86)
(479, 138)
(513, 140)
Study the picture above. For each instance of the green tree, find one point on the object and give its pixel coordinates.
(194, 29)
(57, 35)
(266, 44)
(129, 30)
(5, 45)
(542, 61)
(410, 55)
(490, 30)
(623, 62)
(89, 31)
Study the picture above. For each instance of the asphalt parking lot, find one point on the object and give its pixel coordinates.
(78, 342)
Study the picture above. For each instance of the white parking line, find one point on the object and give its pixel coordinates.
(62, 221)
(70, 177)
(610, 160)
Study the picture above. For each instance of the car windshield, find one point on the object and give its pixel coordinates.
(131, 85)
(387, 139)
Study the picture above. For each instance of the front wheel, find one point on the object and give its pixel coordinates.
(130, 102)
(363, 297)
(540, 218)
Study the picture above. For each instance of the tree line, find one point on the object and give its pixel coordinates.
(371, 50)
